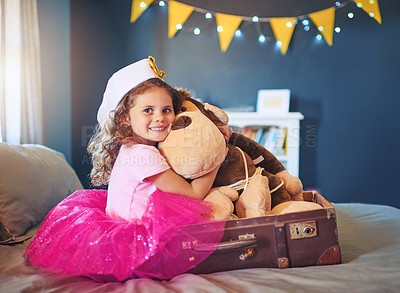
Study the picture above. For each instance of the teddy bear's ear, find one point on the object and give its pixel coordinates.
(221, 115)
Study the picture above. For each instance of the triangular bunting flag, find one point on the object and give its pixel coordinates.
(178, 13)
(371, 7)
(324, 20)
(228, 24)
(283, 29)
(138, 7)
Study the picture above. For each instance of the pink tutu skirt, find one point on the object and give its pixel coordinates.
(78, 238)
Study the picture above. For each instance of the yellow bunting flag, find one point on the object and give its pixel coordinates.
(138, 7)
(178, 13)
(227, 25)
(324, 20)
(283, 30)
(371, 7)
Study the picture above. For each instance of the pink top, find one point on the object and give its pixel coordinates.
(128, 189)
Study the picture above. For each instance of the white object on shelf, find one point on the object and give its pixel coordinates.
(290, 121)
(273, 101)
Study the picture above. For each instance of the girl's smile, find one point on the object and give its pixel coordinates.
(152, 115)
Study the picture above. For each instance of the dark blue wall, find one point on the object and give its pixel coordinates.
(348, 93)
(54, 32)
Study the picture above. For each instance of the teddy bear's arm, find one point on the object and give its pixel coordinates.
(260, 155)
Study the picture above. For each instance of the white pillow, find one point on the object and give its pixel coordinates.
(33, 179)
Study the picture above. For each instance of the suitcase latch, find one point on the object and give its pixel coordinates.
(303, 229)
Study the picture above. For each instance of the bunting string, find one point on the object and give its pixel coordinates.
(230, 25)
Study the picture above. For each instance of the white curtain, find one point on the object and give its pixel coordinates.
(20, 79)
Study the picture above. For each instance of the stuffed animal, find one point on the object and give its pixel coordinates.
(222, 198)
(195, 146)
(255, 200)
(294, 207)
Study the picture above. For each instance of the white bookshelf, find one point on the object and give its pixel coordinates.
(290, 121)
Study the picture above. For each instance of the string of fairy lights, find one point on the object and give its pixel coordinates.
(256, 20)
(229, 26)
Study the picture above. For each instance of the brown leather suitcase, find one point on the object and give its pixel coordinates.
(278, 241)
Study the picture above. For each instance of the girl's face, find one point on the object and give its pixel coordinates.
(152, 116)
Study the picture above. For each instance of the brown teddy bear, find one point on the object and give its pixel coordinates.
(195, 146)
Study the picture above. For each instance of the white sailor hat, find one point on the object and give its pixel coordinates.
(123, 81)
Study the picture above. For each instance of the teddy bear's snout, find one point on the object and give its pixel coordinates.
(181, 122)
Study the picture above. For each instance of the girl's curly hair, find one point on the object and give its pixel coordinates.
(109, 137)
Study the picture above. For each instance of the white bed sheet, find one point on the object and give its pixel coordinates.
(369, 237)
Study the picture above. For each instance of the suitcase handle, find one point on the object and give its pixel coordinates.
(225, 246)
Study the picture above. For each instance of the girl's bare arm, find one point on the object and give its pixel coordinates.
(171, 182)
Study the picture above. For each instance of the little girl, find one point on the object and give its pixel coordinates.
(144, 226)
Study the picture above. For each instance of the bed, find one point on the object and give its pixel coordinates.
(369, 237)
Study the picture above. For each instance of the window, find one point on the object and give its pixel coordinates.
(20, 91)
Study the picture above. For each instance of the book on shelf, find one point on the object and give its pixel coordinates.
(273, 138)
(280, 142)
(259, 134)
